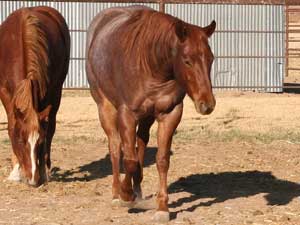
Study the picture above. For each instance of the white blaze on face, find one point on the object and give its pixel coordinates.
(32, 139)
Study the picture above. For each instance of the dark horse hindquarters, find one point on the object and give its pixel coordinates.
(34, 59)
(140, 65)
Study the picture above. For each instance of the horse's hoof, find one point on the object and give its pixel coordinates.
(138, 193)
(128, 204)
(139, 196)
(115, 203)
(15, 174)
(161, 217)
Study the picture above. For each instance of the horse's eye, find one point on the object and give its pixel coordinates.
(188, 62)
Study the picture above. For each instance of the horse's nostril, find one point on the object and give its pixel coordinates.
(204, 108)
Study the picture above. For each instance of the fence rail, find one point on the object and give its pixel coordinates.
(242, 2)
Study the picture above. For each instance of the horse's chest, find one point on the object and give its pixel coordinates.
(156, 105)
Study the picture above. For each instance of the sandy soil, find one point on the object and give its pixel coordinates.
(240, 165)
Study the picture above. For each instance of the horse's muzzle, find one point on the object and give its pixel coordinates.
(205, 108)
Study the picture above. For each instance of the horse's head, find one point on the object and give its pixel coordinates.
(192, 64)
(28, 134)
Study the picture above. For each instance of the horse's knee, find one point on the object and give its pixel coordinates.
(130, 166)
(162, 164)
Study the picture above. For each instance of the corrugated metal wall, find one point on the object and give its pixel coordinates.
(78, 16)
(248, 44)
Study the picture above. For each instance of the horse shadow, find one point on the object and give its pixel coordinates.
(96, 169)
(231, 185)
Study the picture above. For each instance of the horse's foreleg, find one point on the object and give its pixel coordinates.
(15, 174)
(127, 128)
(167, 125)
(108, 119)
(142, 141)
(45, 151)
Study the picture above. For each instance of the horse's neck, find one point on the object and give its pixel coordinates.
(161, 88)
(161, 68)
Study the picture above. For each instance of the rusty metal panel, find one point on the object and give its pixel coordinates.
(248, 44)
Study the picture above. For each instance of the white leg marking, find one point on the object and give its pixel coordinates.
(15, 174)
(32, 139)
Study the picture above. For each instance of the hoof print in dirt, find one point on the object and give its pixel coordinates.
(128, 204)
(115, 203)
(161, 217)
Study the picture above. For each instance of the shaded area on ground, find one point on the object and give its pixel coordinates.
(231, 185)
(96, 169)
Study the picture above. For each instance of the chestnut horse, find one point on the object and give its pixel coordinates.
(34, 59)
(140, 65)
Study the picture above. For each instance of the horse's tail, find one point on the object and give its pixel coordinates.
(35, 54)
(35, 51)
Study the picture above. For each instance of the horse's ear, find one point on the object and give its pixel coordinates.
(210, 29)
(44, 115)
(181, 30)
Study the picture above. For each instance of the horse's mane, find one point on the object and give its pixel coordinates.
(36, 52)
(147, 37)
(35, 55)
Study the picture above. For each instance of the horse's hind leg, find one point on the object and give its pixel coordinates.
(142, 141)
(108, 120)
(127, 124)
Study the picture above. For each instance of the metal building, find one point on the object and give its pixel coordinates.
(249, 44)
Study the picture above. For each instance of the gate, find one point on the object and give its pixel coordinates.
(293, 46)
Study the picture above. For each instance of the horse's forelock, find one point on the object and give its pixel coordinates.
(23, 102)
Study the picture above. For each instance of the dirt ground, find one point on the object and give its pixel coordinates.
(240, 165)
